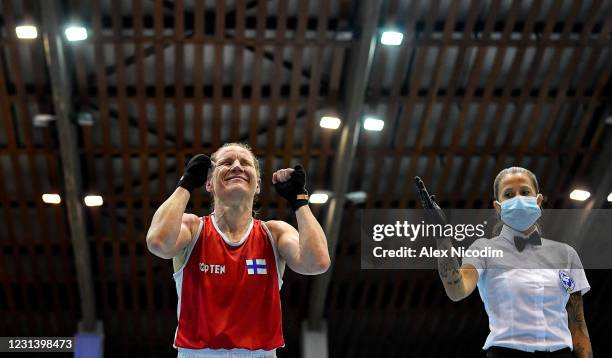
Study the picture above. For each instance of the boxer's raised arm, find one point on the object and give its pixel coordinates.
(305, 249)
(171, 229)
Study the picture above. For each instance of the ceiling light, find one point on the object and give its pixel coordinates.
(330, 122)
(26, 32)
(42, 119)
(93, 200)
(318, 198)
(580, 195)
(391, 38)
(373, 124)
(51, 198)
(357, 197)
(85, 119)
(76, 33)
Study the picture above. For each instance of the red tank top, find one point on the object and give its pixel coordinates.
(228, 293)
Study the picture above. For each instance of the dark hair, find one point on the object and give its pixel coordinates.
(500, 176)
(513, 170)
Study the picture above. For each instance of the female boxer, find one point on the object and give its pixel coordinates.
(228, 265)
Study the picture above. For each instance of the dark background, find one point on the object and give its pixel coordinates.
(476, 86)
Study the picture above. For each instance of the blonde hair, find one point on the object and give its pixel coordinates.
(214, 158)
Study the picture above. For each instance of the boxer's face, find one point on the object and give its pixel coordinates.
(234, 177)
(516, 184)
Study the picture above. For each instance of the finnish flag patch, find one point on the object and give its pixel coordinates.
(256, 267)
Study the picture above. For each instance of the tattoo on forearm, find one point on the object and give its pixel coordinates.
(575, 311)
(449, 271)
(448, 267)
(582, 352)
(578, 327)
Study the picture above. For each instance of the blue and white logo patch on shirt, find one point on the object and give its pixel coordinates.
(256, 267)
(567, 282)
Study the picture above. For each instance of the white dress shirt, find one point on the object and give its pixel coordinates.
(524, 295)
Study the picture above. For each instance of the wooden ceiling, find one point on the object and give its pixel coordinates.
(475, 86)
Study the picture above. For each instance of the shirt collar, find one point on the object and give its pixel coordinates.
(509, 233)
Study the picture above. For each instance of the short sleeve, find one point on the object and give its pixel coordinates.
(577, 272)
(478, 262)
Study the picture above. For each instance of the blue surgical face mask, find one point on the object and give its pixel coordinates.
(520, 212)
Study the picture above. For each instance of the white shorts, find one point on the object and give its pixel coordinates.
(224, 353)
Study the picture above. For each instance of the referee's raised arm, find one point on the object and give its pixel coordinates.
(459, 281)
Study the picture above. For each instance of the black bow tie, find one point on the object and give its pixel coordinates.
(533, 239)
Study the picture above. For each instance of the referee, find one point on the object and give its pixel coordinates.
(532, 312)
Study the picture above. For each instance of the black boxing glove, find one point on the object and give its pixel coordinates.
(196, 172)
(294, 189)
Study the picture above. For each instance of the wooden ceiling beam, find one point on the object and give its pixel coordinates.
(400, 132)
(238, 80)
(567, 76)
(448, 103)
(534, 11)
(160, 119)
(424, 123)
(312, 104)
(551, 70)
(520, 105)
(502, 106)
(587, 77)
(273, 112)
(586, 119)
(392, 117)
(197, 103)
(218, 74)
(130, 234)
(327, 138)
(270, 22)
(597, 96)
(256, 74)
(11, 295)
(385, 97)
(464, 108)
(554, 112)
(297, 56)
(102, 81)
(136, 151)
(500, 55)
(21, 114)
